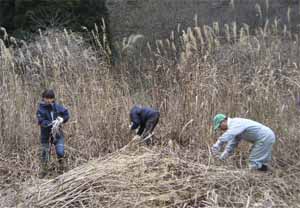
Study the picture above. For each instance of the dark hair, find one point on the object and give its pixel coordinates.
(48, 94)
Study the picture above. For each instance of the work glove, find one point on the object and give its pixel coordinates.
(60, 120)
(215, 149)
(130, 125)
(55, 125)
(133, 130)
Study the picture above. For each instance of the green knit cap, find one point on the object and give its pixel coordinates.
(218, 120)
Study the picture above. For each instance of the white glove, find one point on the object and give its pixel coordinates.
(130, 126)
(56, 123)
(60, 120)
(215, 149)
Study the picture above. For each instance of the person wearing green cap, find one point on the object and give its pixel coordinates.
(237, 129)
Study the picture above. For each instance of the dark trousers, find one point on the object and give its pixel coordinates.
(59, 147)
(146, 129)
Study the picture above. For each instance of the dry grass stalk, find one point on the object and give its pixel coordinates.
(256, 77)
(142, 177)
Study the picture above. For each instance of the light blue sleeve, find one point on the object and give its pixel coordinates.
(230, 137)
(231, 145)
(231, 133)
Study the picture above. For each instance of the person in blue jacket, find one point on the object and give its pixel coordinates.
(50, 116)
(237, 129)
(146, 119)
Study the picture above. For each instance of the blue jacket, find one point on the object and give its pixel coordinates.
(45, 119)
(139, 116)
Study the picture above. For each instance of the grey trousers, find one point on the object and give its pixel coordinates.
(261, 151)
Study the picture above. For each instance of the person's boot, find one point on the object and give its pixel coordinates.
(263, 168)
(43, 170)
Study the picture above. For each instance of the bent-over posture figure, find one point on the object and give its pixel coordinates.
(145, 119)
(237, 129)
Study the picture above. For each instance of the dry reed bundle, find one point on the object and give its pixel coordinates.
(142, 177)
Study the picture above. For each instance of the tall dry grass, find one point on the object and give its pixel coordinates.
(210, 69)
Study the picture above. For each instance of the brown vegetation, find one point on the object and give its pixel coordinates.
(254, 76)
